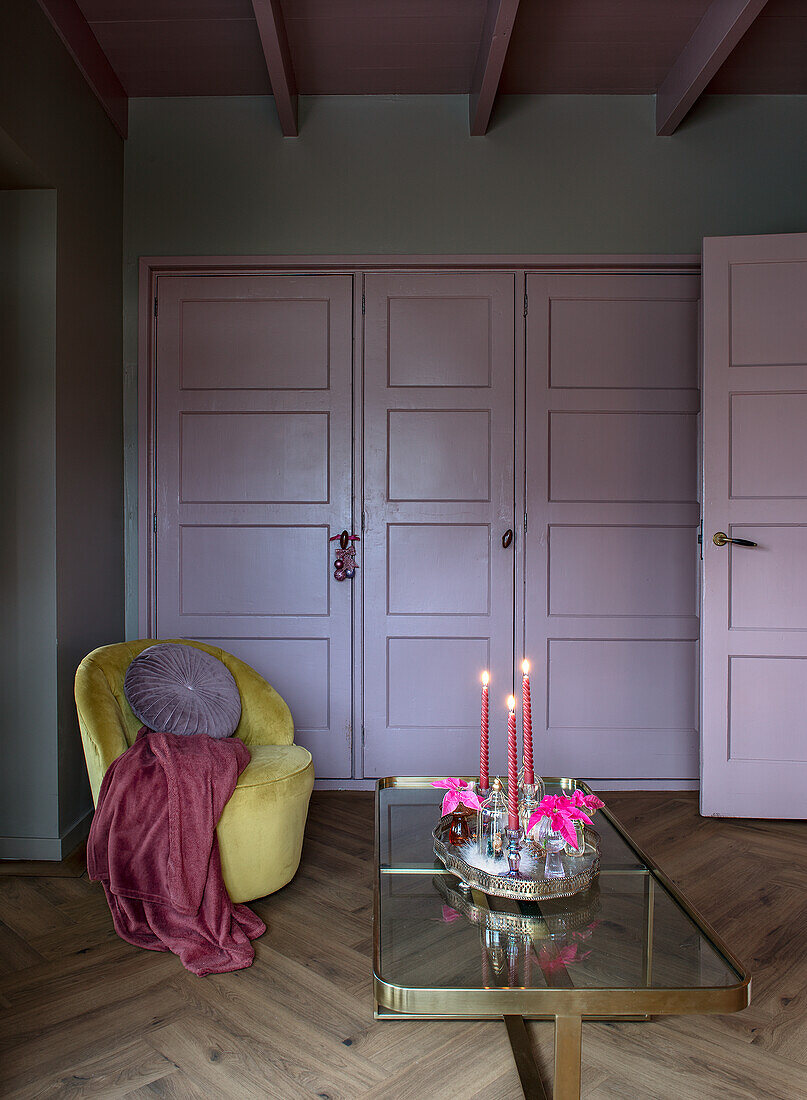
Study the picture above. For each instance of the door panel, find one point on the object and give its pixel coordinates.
(768, 445)
(645, 684)
(607, 343)
(439, 494)
(656, 583)
(766, 589)
(254, 430)
(611, 550)
(754, 681)
(620, 457)
(271, 458)
(268, 343)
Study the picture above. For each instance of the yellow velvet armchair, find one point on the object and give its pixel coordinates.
(260, 831)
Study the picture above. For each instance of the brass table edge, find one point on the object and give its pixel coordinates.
(387, 1015)
(468, 1003)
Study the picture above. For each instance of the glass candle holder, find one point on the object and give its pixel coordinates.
(530, 794)
(513, 839)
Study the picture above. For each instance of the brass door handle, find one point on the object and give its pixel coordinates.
(720, 538)
(507, 538)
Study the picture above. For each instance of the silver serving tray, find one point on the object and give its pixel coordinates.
(581, 870)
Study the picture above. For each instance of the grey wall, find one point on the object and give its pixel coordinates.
(556, 174)
(49, 115)
(29, 780)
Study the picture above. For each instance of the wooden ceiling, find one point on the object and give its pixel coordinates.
(479, 47)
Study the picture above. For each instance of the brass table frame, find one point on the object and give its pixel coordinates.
(568, 1007)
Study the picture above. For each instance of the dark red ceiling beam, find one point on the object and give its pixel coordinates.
(272, 28)
(82, 45)
(496, 33)
(722, 27)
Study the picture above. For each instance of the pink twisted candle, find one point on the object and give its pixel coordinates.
(512, 765)
(483, 739)
(526, 718)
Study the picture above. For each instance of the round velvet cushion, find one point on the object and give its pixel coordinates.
(178, 689)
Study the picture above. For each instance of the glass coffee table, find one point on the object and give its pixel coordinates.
(630, 947)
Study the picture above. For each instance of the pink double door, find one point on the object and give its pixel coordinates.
(253, 477)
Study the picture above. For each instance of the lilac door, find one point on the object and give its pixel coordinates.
(253, 463)
(611, 550)
(754, 682)
(438, 491)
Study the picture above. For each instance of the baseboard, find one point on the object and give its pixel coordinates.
(344, 785)
(595, 784)
(76, 833)
(643, 784)
(50, 849)
(31, 847)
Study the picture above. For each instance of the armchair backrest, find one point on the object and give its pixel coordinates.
(108, 726)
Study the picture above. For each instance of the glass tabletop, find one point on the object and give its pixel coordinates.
(631, 935)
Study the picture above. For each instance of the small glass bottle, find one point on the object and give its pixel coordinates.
(492, 823)
(460, 831)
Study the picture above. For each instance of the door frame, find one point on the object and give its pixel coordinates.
(152, 267)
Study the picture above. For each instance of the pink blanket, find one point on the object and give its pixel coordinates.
(153, 846)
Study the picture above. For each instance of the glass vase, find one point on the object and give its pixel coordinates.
(553, 842)
(581, 840)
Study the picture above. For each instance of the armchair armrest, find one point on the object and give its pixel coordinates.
(101, 721)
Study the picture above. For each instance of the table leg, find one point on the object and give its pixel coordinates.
(528, 1072)
(568, 1033)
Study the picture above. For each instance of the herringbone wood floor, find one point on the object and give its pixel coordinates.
(84, 1014)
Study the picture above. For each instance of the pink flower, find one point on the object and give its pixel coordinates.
(565, 957)
(457, 793)
(589, 802)
(561, 812)
(587, 932)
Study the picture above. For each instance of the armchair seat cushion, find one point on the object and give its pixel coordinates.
(272, 763)
(261, 827)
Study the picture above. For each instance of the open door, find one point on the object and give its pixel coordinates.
(754, 637)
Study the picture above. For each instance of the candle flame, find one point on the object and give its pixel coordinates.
(485, 678)
(525, 666)
(511, 702)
